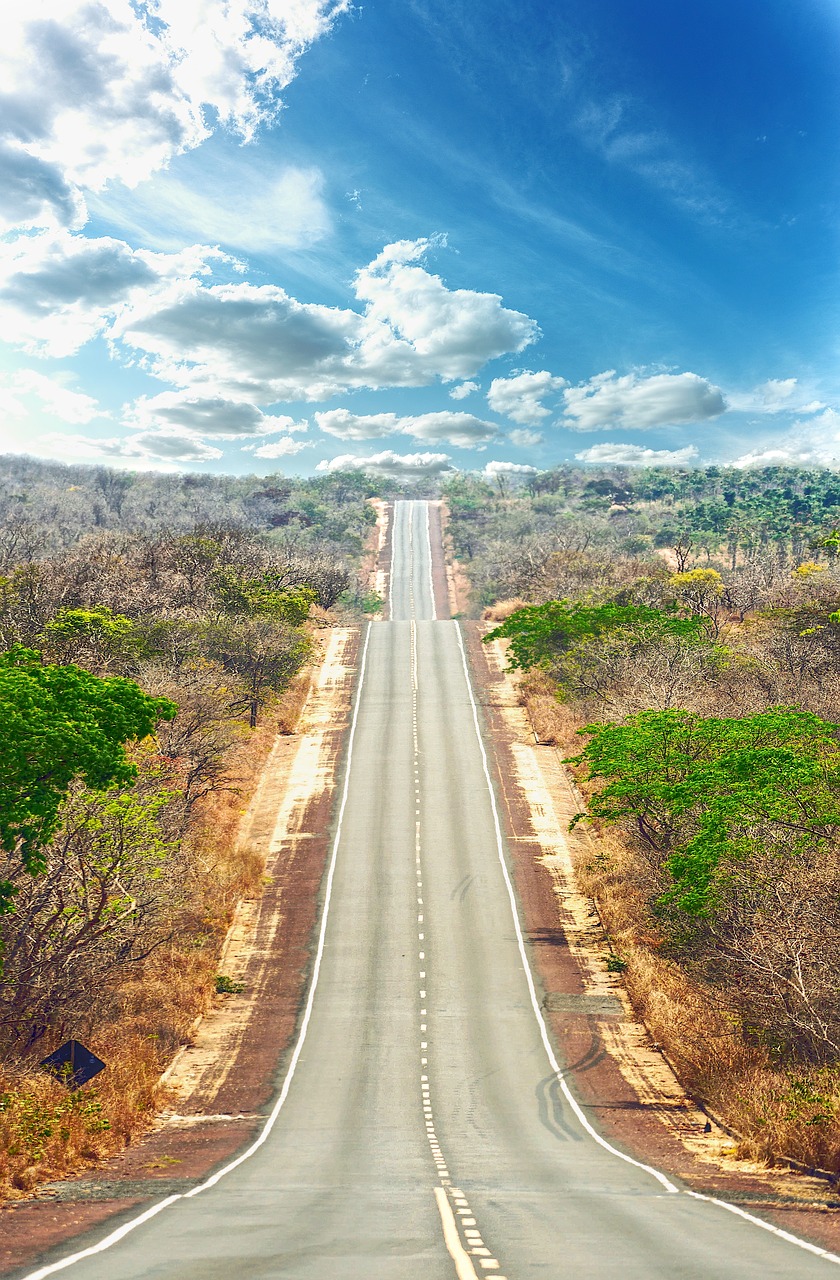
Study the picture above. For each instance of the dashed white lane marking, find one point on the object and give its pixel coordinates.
(472, 1246)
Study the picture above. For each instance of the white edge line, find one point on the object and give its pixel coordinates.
(431, 576)
(113, 1238)
(122, 1231)
(464, 1268)
(669, 1186)
(767, 1226)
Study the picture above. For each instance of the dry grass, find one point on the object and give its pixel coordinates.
(47, 1132)
(793, 1112)
(502, 610)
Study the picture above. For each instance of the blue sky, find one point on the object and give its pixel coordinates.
(297, 234)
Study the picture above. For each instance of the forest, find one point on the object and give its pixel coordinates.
(155, 633)
(678, 639)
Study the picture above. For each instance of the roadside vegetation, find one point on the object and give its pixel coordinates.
(678, 635)
(155, 635)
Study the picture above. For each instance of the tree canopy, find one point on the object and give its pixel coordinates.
(61, 723)
(709, 793)
(539, 633)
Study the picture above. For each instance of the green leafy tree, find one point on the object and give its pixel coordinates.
(60, 723)
(96, 637)
(538, 634)
(711, 793)
(261, 597)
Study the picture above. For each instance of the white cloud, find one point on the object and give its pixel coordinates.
(777, 392)
(407, 466)
(208, 416)
(71, 406)
(58, 291)
(494, 469)
(355, 426)
(776, 395)
(463, 390)
(459, 429)
(635, 455)
(284, 448)
(239, 341)
(98, 90)
(452, 332)
(148, 447)
(257, 341)
(521, 396)
(169, 444)
(261, 212)
(525, 439)
(631, 401)
(815, 443)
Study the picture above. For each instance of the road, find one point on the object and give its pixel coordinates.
(423, 1094)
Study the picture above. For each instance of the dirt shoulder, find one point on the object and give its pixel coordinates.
(220, 1084)
(620, 1076)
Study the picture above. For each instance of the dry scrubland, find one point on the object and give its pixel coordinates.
(695, 615)
(209, 594)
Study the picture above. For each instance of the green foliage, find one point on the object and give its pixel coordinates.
(226, 986)
(709, 793)
(61, 723)
(262, 598)
(97, 631)
(539, 633)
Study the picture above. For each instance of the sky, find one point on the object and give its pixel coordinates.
(252, 236)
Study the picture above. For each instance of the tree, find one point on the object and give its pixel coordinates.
(96, 637)
(702, 791)
(60, 723)
(540, 633)
(263, 653)
(107, 896)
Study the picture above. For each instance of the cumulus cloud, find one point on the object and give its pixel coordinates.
(526, 439)
(207, 416)
(256, 340)
(776, 395)
(241, 341)
(284, 448)
(145, 448)
(777, 392)
(521, 396)
(97, 90)
(451, 332)
(58, 291)
(460, 429)
(406, 466)
(635, 455)
(355, 426)
(463, 390)
(632, 401)
(814, 443)
(494, 469)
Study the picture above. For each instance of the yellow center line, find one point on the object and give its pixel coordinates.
(464, 1268)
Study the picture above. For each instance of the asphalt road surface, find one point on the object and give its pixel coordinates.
(422, 1132)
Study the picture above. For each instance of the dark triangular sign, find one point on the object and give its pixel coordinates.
(73, 1064)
